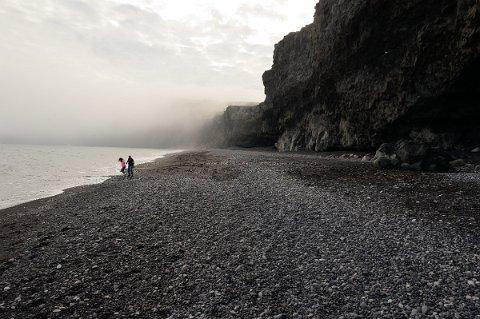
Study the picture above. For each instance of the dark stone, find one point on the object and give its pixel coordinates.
(410, 155)
(385, 157)
(383, 162)
(387, 148)
(410, 152)
(367, 157)
(437, 160)
(412, 167)
(457, 163)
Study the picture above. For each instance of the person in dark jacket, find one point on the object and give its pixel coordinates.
(131, 164)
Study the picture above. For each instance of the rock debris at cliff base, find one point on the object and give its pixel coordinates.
(237, 234)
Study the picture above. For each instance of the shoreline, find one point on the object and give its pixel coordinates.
(101, 179)
(34, 203)
(243, 234)
(26, 210)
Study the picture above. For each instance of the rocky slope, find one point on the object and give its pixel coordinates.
(368, 72)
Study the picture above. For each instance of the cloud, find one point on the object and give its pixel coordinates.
(261, 11)
(82, 64)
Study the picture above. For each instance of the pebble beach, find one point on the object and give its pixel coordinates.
(247, 234)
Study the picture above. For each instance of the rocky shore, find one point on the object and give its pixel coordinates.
(248, 234)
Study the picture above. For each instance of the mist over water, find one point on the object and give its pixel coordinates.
(130, 127)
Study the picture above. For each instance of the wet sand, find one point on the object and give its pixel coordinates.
(247, 234)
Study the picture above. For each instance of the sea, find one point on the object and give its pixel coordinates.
(29, 172)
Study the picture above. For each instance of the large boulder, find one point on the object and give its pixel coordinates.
(410, 152)
(386, 157)
(409, 155)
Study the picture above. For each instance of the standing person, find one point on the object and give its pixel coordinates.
(124, 166)
(131, 164)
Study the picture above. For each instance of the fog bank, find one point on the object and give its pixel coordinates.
(132, 71)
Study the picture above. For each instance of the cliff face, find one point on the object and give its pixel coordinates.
(366, 72)
(242, 126)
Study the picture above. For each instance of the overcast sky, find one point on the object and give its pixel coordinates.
(87, 67)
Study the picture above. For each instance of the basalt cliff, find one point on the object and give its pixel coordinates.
(374, 71)
(240, 126)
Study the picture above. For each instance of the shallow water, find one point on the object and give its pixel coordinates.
(31, 172)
